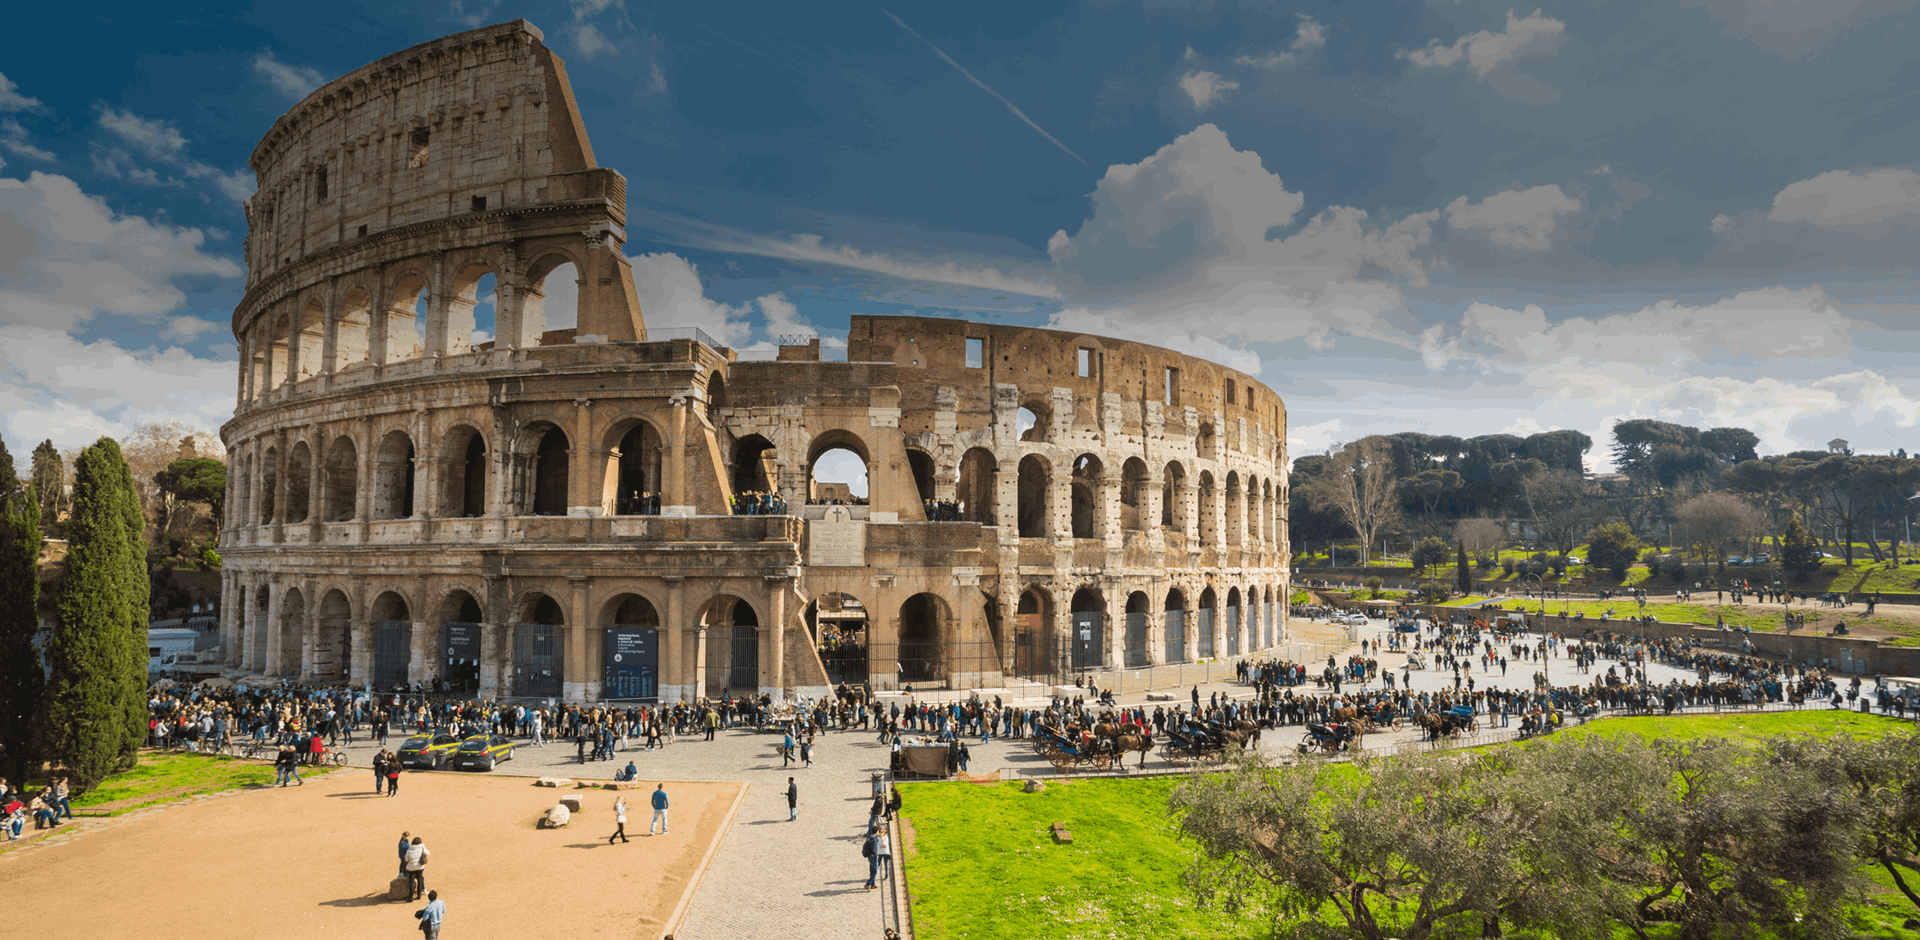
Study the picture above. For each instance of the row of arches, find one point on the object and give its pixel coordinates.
(415, 309)
(1176, 627)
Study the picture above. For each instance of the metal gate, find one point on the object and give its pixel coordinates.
(536, 660)
(1233, 631)
(1033, 656)
(1089, 640)
(392, 651)
(1176, 636)
(743, 659)
(1206, 633)
(1136, 640)
(846, 662)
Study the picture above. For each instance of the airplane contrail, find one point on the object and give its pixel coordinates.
(1022, 115)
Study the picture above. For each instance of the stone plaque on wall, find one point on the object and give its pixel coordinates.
(838, 541)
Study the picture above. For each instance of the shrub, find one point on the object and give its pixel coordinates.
(1507, 565)
(210, 557)
(1613, 547)
(1652, 560)
(1428, 553)
(1374, 584)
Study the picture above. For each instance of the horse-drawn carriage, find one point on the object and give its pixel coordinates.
(1207, 741)
(1448, 723)
(1072, 751)
(1329, 738)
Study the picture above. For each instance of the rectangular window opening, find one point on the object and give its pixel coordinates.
(1173, 387)
(1249, 398)
(976, 353)
(417, 148)
(1229, 387)
(1085, 363)
(320, 185)
(479, 203)
(363, 230)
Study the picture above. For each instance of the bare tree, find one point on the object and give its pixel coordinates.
(1711, 521)
(1359, 487)
(1480, 534)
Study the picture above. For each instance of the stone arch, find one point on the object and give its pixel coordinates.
(633, 481)
(1174, 635)
(1205, 623)
(546, 484)
(392, 639)
(463, 481)
(1034, 645)
(341, 476)
(538, 659)
(299, 471)
(841, 628)
(630, 609)
(262, 629)
(1035, 496)
(716, 396)
(333, 629)
(1087, 612)
(291, 638)
(279, 326)
(452, 335)
(924, 626)
(1206, 443)
(1209, 527)
(456, 624)
(1088, 518)
(733, 644)
(842, 440)
(1235, 507)
(1039, 410)
(976, 491)
(537, 321)
(269, 474)
(1173, 505)
(393, 477)
(920, 465)
(1133, 495)
(312, 329)
(351, 326)
(756, 467)
(402, 317)
(1236, 620)
(1139, 611)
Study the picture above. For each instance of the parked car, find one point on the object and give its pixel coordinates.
(1760, 559)
(1736, 559)
(481, 751)
(427, 750)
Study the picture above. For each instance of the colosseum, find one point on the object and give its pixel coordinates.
(577, 512)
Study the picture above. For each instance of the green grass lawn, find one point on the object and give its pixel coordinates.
(985, 866)
(161, 777)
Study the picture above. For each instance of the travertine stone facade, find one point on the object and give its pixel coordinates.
(398, 492)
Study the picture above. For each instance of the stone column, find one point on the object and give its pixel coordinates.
(773, 641)
(1187, 499)
(575, 681)
(316, 481)
(279, 483)
(673, 648)
(276, 637)
(421, 644)
(1216, 510)
(676, 500)
(363, 476)
(426, 468)
(584, 492)
(493, 639)
(700, 661)
(1106, 509)
(360, 666)
(1006, 503)
(1060, 503)
(1156, 629)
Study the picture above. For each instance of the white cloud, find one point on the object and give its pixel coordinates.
(1521, 219)
(1485, 50)
(657, 81)
(1308, 37)
(1601, 170)
(1189, 234)
(293, 81)
(56, 386)
(1312, 439)
(13, 138)
(812, 249)
(1721, 223)
(783, 320)
(1871, 204)
(160, 142)
(1205, 88)
(589, 41)
(671, 295)
(12, 100)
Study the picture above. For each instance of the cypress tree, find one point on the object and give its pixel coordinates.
(49, 481)
(21, 680)
(1463, 575)
(96, 701)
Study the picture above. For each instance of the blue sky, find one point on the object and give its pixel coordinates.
(1459, 217)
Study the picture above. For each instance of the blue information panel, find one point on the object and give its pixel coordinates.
(632, 663)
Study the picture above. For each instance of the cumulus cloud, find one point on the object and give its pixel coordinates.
(293, 81)
(1192, 232)
(657, 81)
(1486, 50)
(13, 139)
(1205, 88)
(159, 142)
(12, 100)
(1521, 219)
(1871, 204)
(672, 295)
(589, 41)
(59, 387)
(1306, 38)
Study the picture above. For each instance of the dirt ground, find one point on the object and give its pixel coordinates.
(315, 861)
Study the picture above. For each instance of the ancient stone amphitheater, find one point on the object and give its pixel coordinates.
(551, 513)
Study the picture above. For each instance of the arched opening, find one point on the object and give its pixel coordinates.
(921, 466)
(463, 494)
(975, 491)
(637, 472)
(333, 633)
(393, 477)
(351, 328)
(755, 468)
(312, 330)
(1088, 610)
(1089, 521)
(471, 301)
(1233, 623)
(1204, 626)
(1206, 443)
(1209, 518)
(838, 624)
(716, 397)
(269, 481)
(299, 471)
(241, 512)
(279, 337)
(1133, 495)
(262, 630)
(1033, 421)
(538, 651)
(1034, 495)
(392, 642)
(630, 657)
(405, 318)
(1136, 639)
(342, 481)
(837, 470)
(1233, 509)
(560, 307)
(1175, 639)
(459, 665)
(1173, 504)
(921, 656)
(549, 483)
(290, 643)
(1035, 652)
(733, 645)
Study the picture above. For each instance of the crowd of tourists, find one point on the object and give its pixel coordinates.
(944, 510)
(758, 503)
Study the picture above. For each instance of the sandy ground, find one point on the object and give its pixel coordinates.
(315, 861)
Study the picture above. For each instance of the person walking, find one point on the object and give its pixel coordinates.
(882, 858)
(416, 868)
(620, 820)
(793, 800)
(659, 809)
(393, 774)
(432, 915)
